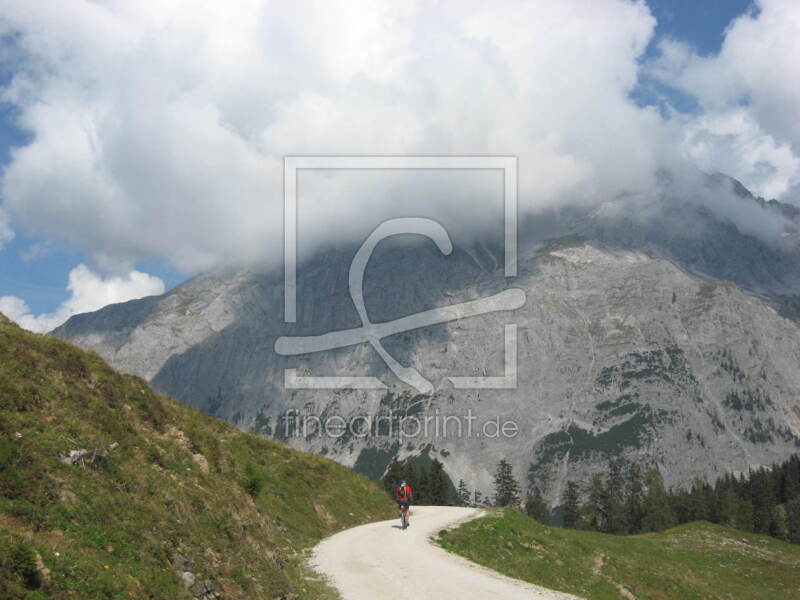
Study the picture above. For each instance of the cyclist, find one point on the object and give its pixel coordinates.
(403, 495)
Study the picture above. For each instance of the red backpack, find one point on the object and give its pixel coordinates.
(403, 492)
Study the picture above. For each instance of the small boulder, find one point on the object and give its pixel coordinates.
(188, 579)
(180, 562)
(204, 590)
(74, 456)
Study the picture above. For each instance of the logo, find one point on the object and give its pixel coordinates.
(372, 333)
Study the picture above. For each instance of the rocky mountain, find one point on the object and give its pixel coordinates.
(667, 338)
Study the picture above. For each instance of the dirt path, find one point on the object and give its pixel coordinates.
(380, 561)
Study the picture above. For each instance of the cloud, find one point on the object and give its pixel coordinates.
(158, 129)
(6, 233)
(749, 94)
(733, 142)
(37, 251)
(88, 292)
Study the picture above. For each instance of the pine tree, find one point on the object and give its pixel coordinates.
(744, 515)
(763, 501)
(572, 507)
(780, 526)
(594, 515)
(394, 474)
(478, 498)
(437, 484)
(726, 506)
(697, 504)
(635, 499)
(463, 493)
(793, 520)
(533, 471)
(790, 482)
(614, 509)
(535, 506)
(712, 502)
(658, 513)
(506, 488)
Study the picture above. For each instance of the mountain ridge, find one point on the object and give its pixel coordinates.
(612, 296)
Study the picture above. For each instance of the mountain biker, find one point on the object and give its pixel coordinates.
(403, 495)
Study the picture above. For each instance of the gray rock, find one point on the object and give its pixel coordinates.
(204, 590)
(180, 562)
(73, 457)
(630, 345)
(188, 579)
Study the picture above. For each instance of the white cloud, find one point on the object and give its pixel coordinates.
(6, 233)
(88, 292)
(750, 97)
(159, 128)
(14, 308)
(37, 251)
(733, 142)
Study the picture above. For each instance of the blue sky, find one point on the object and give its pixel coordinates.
(700, 23)
(41, 281)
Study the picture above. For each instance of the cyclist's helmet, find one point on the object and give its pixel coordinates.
(402, 483)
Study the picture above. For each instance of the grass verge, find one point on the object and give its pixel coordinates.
(693, 561)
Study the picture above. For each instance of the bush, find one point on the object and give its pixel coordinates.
(22, 563)
(253, 480)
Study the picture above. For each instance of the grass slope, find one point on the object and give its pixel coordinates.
(693, 561)
(181, 491)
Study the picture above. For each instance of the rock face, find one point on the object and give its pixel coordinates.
(629, 345)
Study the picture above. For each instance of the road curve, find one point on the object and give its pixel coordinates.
(380, 561)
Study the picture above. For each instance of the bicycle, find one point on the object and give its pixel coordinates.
(404, 517)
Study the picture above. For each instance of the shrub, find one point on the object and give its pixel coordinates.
(253, 480)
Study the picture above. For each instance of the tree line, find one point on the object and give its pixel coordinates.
(626, 499)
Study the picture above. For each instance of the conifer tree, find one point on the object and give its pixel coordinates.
(635, 498)
(657, 511)
(572, 507)
(535, 506)
(614, 509)
(744, 515)
(697, 506)
(780, 527)
(793, 520)
(437, 485)
(726, 506)
(394, 474)
(790, 479)
(506, 488)
(463, 493)
(762, 494)
(594, 515)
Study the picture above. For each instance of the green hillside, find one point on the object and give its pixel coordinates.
(693, 561)
(162, 501)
